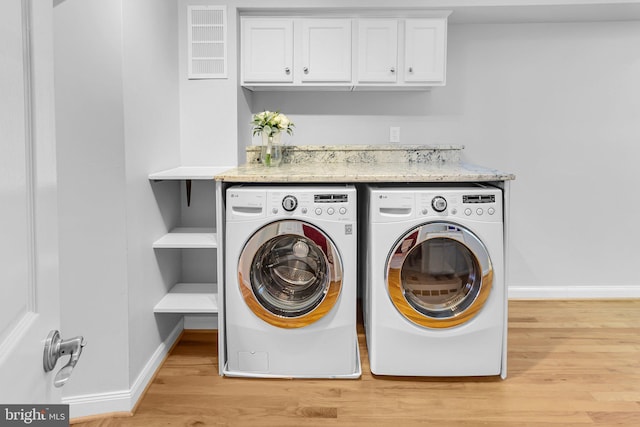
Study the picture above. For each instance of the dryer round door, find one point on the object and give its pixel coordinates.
(290, 273)
(439, 275)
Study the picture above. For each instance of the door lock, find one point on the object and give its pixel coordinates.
(55, 348)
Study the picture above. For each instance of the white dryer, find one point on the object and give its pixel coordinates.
(290, 288)
(435, 301)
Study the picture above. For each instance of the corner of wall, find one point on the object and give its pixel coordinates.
(123, 401)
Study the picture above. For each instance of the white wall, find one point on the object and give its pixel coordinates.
(208, 108)
(91, 178)
(556, 104)
(117, 109)
(151, 117)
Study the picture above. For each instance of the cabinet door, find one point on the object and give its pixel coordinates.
(377, 50)
(267, 50)
(425, 50)
(326, 50)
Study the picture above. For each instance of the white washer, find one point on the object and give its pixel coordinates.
(435, 301)
(290, 288)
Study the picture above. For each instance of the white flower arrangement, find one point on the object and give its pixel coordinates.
(271, 123)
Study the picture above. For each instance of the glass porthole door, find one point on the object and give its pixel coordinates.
(290, 273)
(439, 275)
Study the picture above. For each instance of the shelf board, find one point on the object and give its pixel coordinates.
(189, 172)
(194, 298)
(188, 238)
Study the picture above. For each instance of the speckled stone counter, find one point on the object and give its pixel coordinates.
(363, 172)
(364, 164)
(431, 154)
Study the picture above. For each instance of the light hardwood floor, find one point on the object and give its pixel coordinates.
(570, 363)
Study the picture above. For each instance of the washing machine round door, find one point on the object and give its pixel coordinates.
(439, 275)
(290, 273)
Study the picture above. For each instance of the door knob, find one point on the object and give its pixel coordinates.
(55, 348)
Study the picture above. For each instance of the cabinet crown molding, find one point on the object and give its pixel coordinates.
(353, 13)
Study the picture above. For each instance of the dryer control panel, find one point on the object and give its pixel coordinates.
(482, 204)
(400, 204)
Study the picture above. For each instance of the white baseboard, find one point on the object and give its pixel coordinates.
(574, 292)
(124, 400)
(99, 403)
(153, 364)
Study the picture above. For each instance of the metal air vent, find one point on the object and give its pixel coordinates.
(207, 42)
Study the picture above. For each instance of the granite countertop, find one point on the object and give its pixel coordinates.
(362, 172)
(358, 163)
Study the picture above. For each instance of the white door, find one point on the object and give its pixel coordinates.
(377, 50)
(267, 50)
(425, 50)
(29, 301)
(326, 50)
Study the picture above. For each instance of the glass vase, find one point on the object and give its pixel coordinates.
(271, 151)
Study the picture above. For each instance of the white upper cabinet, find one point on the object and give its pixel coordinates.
(401, 52)
(377, 50)
(289, 52)
(329, 52)
(267, 50)
(425, 50)
(326, 50)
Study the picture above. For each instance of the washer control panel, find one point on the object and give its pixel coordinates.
(289, 203)
(337, 203)
(479, 204)
(323, 203)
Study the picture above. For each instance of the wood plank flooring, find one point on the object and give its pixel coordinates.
(570, 363)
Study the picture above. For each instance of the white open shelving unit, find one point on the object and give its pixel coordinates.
(188, 238)
(186, 173)
(189, 298)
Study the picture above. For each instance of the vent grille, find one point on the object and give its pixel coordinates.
(207, 26)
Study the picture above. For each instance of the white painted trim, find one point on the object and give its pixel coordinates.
(220, 227)
(122, 400)
(99, 403)
(16, 331)
(153, 364)
(574, 292)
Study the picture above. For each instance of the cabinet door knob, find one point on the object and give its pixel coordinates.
(393, 69)
(411, 69)
(306, 70)
(287, 70)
